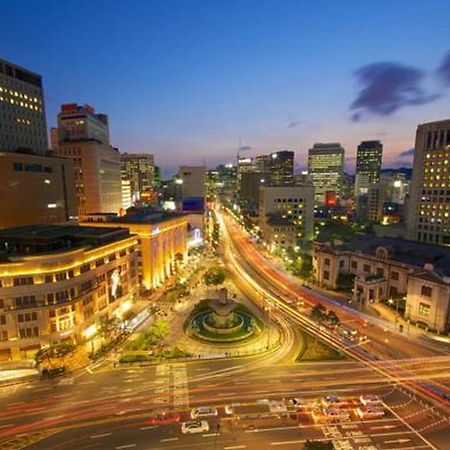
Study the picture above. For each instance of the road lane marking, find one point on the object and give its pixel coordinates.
(96, 436)
(211, 434)
(8, 425)
(62, 395)
(125, 446)
(232, 447)
(397, 441)
(54, 417)
(288, 442)
(260, 430)
(169, 439)
(410, 427)
(149, 428)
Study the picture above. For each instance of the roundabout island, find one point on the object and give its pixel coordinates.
(222, 320)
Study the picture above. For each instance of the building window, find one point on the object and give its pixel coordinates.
(327, 262)
(23, 281)
(99, 262)
(426, 291)
(61, 276)
(85, 268)
(424, 309)
(354, 265)
(2, 320)
(380, 272)
(366, 268)
(394, 276)
(18, 167)
(326, 275)
(4, 336)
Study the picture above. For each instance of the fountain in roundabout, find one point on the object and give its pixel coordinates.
(222, 320)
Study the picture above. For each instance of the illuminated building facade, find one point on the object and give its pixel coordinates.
(326, 169)
(161, 236)
(391, 269)
(429, 203)
(139, 170)
(36, 189)
(127, 198)
(294, 204)
(58, 282)
(368, 165)
(83, 136)
(22, 111)
(282, 168)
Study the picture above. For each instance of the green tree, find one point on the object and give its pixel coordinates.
(214, 276)
(108, 327)
(318, 445)
(318, 312)
(306, 266)
(55, 352)
(332, 318)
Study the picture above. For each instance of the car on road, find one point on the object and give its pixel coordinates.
(194, 427)
(330, 415)
(294, 404)
(202, 411)
(369, 412)
(333, 401)
(370, 399)
(165, 419)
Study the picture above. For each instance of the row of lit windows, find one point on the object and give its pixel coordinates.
(19, 94)
(20, 103)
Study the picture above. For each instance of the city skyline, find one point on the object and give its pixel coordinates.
(201, 79)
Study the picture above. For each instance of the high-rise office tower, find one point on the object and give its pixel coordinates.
(192, 181)
(139, 169)
(22, 112)
(282, 168)
(429, 203)
(83, 136)
(263, 163)
(368, 165)
(36, 188)
(326, 169)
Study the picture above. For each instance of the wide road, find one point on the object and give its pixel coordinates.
(111, 408)
(387, 345)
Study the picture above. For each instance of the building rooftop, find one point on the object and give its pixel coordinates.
(39, 239)
(412, 253)
(144, 216)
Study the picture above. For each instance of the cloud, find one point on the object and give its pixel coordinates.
(295, 123)
(443, 71)
(245, 148)
(406, 153)
(387, 87)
